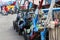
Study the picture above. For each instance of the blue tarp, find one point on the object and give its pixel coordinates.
(22, 2)
(17, 6)
(35, 19)
(30, 6)
(43, 34)
(49, 1)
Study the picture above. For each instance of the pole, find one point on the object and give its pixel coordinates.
(40, 4)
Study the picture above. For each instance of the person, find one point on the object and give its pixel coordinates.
(11, 11)
(3, 10)
(6, 10)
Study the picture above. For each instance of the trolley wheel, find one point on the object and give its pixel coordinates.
(13, 25)
(19, 32)
(26, 36)
(17, 29)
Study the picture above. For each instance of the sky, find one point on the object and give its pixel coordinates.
(6, 0)
(12, 0)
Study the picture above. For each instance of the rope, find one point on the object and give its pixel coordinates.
(57, 4)
(49, 17)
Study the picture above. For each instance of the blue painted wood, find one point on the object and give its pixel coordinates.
(43, 34)
(54, 9)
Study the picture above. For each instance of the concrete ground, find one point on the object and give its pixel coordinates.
(8, 33)
(6, 28)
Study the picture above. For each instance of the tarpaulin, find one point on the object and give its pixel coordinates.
(35, 19)
(30, 5)
(22, 2)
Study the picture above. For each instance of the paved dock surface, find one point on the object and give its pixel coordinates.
(6, 28)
